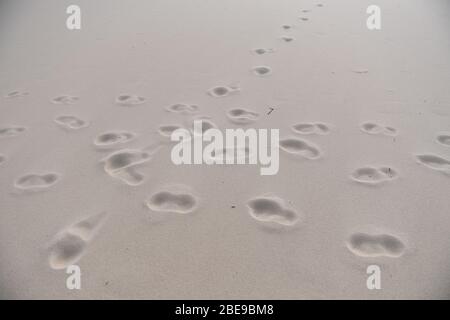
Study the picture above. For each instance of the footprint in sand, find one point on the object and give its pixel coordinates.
(269, 208)
(287, 26)
(65, 99)
(183, 108)
(434, 162)
(304, 18)
(261, 71)
(444, 139)
(176, 199)
(261, 51)
(71, 122)
(311, 128)
(129, 100)
(11, 131)
(111, 139)
(373, 176)
(36, 182)
(301, 148)
(68, 246)
(206, 124)
(2, 159)
(166, 130)
(375, 245)
(222, 91)
(287, 38)
(121, 165)
(242, 116)
(373, 128)
(16, 94)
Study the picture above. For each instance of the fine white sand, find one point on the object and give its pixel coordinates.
(364, 177)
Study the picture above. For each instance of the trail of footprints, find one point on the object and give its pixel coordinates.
(70, 244)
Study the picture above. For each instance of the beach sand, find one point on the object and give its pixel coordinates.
(364, 172)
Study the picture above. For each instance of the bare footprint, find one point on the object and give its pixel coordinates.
(311, 128)
(373, 176)
(71, 122)
(434, 162)
(269, 208)
(16, 94)
(175, 201)
(36, 182)
(373, 128)
(111, 139)
(304, 18)
(261, 51)
(2, 159)
(242, 116)
(129, 100)
(183, 108)
(300, 147)
(223, 91)
(65, 99)
(121, 165)
(287, 26)
(166, 130)
(375, 245)
(69, 245)
(287, 38)
(444, 139)
(11, 131)
(261, 71)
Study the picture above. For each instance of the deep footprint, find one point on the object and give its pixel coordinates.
(242, 116)
(311, 128)
(434, 162)
(373, 128)
(183, 108)
(35, 182)
(261, 71)
(272, 209)
(300, 147)
(113, 138)
(71, 122)
(444, 139)
(11, 131)
(261, 51)
(65, 99)
(373, 176)
(16, 94)
(68, 246)
(129, 100)
(375, 245)
(287, 38)
(222, 91)
(172, 201)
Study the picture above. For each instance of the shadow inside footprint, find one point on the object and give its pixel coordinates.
(222, 91)
(261, 70)
(113, 138)
(373, 128)
(311, 128)
(12, 131)
(65, 99)
(183, 108)
(71, 122)
(35, 182)
(175, 202)
(434, 162)
(375, 245)
(444, 139)
(129, 100)
(272, 209)
(242, 116)
(373, 176)
(300, 147)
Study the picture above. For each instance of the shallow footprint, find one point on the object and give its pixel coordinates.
(242, 116)
(71, 122)
(175, 201)
(16, 94)
(35, 182)
(129, 100)
(261, 51)
(373, 176)
(434, 162)
(11, 131)
(444, 139)
(272, 209)
(120, 165)
(222, 91)
(2, 159)
(261, 71)
(113, 138)
(183, 108)
(166, 129)
(311, 128)
(68, 246)
(65, 99)
(373, 128)
(375, 245)
(300, 147)
(287, 38)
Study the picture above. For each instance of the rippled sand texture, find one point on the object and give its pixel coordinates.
(86, 119)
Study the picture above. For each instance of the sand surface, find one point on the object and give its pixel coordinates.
(364, 177)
